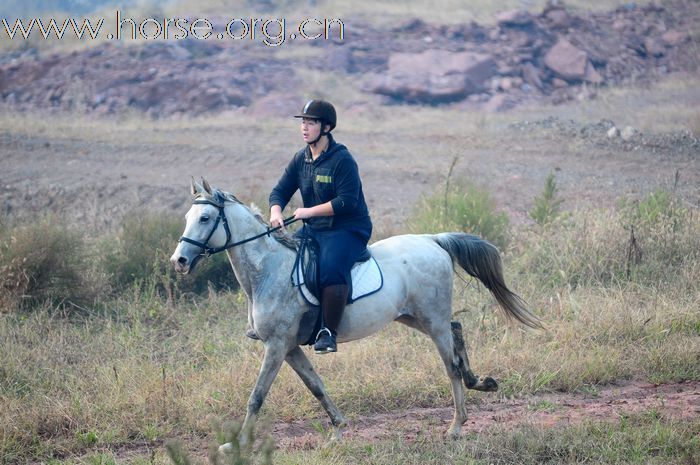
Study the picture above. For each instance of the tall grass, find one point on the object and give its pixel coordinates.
(648, 242)
(547, 204)
(461, 206)
(141, 251)
(150, 366)
(46, 261)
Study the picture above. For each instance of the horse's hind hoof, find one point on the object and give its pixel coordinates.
(489, 384)
(225, 449)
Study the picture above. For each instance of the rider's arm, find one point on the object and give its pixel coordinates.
(286, 186)
(347, 186)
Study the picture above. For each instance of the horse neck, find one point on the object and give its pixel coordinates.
(252, 262)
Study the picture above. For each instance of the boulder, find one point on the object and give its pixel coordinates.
(433, 76)
(558, 17)
(531, 75)
(571, 63)
(653, 47)
(673, 38)
(279, 104)
(498, 102)
(628, 133)
(592, 75)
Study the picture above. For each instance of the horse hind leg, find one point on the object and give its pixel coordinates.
(442, 338)
(471, 381)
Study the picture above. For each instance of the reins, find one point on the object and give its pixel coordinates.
(222, 218)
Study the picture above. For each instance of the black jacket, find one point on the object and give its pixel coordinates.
(333, 177)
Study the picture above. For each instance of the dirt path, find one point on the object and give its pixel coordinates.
(678, 401)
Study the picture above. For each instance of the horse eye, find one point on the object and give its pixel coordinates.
(204, 219)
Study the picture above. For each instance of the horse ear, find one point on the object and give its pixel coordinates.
(194, 187)
(206, 186)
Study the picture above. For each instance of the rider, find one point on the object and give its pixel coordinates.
(334, 211)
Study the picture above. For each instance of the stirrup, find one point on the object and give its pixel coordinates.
(323, 330)
(325, 344)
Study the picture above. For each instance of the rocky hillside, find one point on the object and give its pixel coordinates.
(555, 56)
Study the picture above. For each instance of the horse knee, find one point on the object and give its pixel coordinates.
(255, 403)
(317, 391)
(455, 372)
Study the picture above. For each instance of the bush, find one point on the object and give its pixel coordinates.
(46, 262)
(141, 254)
(546, 206)
(646, 242)
(463, 207)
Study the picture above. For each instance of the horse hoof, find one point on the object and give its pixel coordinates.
(490, 384)
(225, 449)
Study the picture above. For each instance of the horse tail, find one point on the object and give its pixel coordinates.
(482, 260)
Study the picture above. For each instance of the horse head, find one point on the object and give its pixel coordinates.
(206, 229)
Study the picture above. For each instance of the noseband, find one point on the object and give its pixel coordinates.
(221, 218)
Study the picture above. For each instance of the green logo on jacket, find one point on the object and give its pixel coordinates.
(324, 179)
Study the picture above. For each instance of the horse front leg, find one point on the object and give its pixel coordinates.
(302, 366)
(275, 352)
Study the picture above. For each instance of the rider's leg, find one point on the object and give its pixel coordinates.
(337, 253)
(332, 305)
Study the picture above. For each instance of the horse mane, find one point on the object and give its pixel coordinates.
(218, 196)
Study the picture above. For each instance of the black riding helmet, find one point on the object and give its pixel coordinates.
(322, 111)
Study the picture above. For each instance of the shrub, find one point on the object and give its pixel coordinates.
(463, 207)
(645, 242)
(46, 262)
(546, 206)
(141, 253)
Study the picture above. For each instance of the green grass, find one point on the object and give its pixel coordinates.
(463, 207)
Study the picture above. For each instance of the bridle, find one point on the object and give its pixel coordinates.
(221, 218)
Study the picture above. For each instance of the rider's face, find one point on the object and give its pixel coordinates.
(310, 129)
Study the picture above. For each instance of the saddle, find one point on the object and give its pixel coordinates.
(366, 279)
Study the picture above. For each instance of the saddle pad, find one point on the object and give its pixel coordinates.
(366, 280)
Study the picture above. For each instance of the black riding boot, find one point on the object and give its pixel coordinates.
(333, 301)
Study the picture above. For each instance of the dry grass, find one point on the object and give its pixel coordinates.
(143, 369)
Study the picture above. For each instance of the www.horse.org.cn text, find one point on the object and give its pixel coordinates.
(272, 32)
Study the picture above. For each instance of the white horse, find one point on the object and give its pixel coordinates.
(417, 291)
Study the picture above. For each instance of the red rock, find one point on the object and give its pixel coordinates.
(570, 63)
(558, 17)
(592, 75)
(433, 76)
(531, 75)
(653, 47)
(673, 38)
(498, 102)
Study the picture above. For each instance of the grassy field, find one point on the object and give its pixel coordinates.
(140, 369)
(136, 357)
(145, 365)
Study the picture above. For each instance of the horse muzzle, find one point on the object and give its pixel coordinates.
(182, 264)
